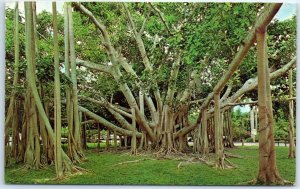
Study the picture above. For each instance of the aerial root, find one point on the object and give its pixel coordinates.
(230, 164)
(286, 182)
(182, 163)
(195, 160)
(250, 182)
(277, 182)
(225, 164)
(233, 156)
(78, 169)
(168, 151)
(134, 161)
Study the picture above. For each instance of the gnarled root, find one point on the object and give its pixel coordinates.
(224, 163)
(196, 160)
(259, 182)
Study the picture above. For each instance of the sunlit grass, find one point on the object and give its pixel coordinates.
(103, 168)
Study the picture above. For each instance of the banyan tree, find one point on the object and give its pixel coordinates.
(139, 70)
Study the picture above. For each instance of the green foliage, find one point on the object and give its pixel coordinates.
(240, 124)
(281, 125)
(207, 38)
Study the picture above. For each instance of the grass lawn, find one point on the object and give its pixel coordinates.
(103, 168)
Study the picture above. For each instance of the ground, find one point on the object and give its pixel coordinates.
(104, 168)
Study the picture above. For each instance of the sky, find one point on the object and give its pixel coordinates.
(286, 11)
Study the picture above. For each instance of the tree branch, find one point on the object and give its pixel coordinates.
(108, 46)
(173, 77)
(108, 124)
(93, 66)
(187, 91)
(138, 39)
(161, 17)
(143, 26)
(263, 20)
(249, 85)
(227, 93)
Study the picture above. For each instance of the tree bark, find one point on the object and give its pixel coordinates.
(115, 140)
(219, 148)
(268, 173)
(74, 143)
(76, 133)
(57, 99)
(292, 153)
(125, 141)
(133, 137)
(99, 136)
(13, 105)
(67, 165)
(32, 156)
(107, 141)
(231, 144)
(252, 123)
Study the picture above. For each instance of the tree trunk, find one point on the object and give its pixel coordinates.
(99, 136)
(15, 132)
(133, 138)
(200, 137)
(67, 165)
(74, 145)
(268, 173)
(107, 141)
(205, 149)
(125, 141)
(12, 108)
(252, 124)
(292, 153)
(219, 148)
(142, 141)
(32, 156)
(57, 99)
(225, 128)
(231, 144)
(115, 140)
(83, 132)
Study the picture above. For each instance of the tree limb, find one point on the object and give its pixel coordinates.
(249, 85)
(227, 93)
(187, 91)
(108, 124)
(94, 66)
(172, 79)
(161, 17)
(263, 20)
(108, 46)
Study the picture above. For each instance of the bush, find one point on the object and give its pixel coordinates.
(281, 125)
(239, 133)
